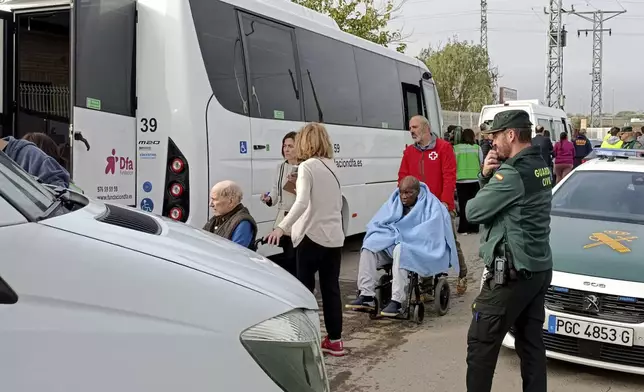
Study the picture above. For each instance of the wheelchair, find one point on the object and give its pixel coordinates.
(433, 289)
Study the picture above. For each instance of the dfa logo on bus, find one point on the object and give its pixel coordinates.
(125, 165)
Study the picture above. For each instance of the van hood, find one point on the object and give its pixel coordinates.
(192, 248)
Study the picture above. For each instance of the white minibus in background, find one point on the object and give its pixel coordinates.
(552, 119)
(157, 100)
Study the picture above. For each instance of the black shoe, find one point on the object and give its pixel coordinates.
(362, 303)
(392, 310)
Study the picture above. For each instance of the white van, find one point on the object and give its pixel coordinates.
(552, 119)
(104, 298)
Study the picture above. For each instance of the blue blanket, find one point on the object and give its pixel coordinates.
(425, 235)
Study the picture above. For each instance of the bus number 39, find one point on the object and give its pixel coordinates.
(148, 124)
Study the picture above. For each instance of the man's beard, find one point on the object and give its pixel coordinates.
(501, 153)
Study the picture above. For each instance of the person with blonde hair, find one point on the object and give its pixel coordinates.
(315, 224)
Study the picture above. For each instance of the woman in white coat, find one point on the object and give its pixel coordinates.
(282, 196)
(315, 226)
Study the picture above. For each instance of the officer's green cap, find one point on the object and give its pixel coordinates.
(627, 129)
(509, 119)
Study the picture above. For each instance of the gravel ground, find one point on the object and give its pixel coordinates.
(395, 355)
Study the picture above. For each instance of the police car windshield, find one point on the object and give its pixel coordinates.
(604, 195)
(21, 190)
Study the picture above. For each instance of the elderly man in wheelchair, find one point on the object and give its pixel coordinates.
(412, 233)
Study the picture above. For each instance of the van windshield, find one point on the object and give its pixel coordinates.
(21, 190)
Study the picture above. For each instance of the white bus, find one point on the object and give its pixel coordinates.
(161, 99)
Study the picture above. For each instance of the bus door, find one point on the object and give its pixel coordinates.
(103, 129)
(274, 101)
(6, 74)
(432, 106)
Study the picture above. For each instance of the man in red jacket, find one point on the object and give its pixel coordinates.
(431, 160)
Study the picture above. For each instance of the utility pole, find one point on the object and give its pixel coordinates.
(484, 24)
(597, 18)
(554, 63)
(491, 71)
(484, 44)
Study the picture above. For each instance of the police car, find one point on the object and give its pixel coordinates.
(595, 305)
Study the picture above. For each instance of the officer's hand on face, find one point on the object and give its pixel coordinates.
(491, 163)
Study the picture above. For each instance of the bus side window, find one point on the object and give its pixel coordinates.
(432, 106)
(411, 101)
(275, 87)
(409, 76)
(105, 38)
(220, 42)
(380, 91)
(329, 79)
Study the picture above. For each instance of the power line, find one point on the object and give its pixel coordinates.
(507, 30)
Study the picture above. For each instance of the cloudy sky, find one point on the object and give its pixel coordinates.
(517, 45)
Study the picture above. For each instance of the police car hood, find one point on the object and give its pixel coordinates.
(192, 248)
(598, 248)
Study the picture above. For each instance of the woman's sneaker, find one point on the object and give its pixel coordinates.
(392, 310)
(335, 348)
(362, 303)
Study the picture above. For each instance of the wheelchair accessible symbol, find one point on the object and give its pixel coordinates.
(243, 147)
(147, 205)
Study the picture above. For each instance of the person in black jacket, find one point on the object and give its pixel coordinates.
(583, 147)
(544, 143)
(485, 142)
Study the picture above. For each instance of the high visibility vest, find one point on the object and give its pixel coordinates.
(467, 161)
(605, 144)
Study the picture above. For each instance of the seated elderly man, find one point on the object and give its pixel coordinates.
(412, 230)
(231, 219)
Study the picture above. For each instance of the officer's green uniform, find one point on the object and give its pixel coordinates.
(632, 144)
(514, 207)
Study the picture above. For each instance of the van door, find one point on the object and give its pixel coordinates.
(6, 74)
(103, 130)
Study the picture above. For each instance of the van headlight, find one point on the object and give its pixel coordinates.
(287, 347)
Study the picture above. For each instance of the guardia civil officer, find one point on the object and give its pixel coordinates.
(514, 207)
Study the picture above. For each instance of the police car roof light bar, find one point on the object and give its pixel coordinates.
(619, 153)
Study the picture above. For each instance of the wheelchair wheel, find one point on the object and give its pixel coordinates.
(383, 292)
(418, 312)
(374, 313)
(441, 297)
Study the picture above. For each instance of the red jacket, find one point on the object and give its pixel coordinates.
(436, 167)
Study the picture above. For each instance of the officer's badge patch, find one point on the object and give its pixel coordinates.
(499, 176)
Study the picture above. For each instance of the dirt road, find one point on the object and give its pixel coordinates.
(392, 355)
